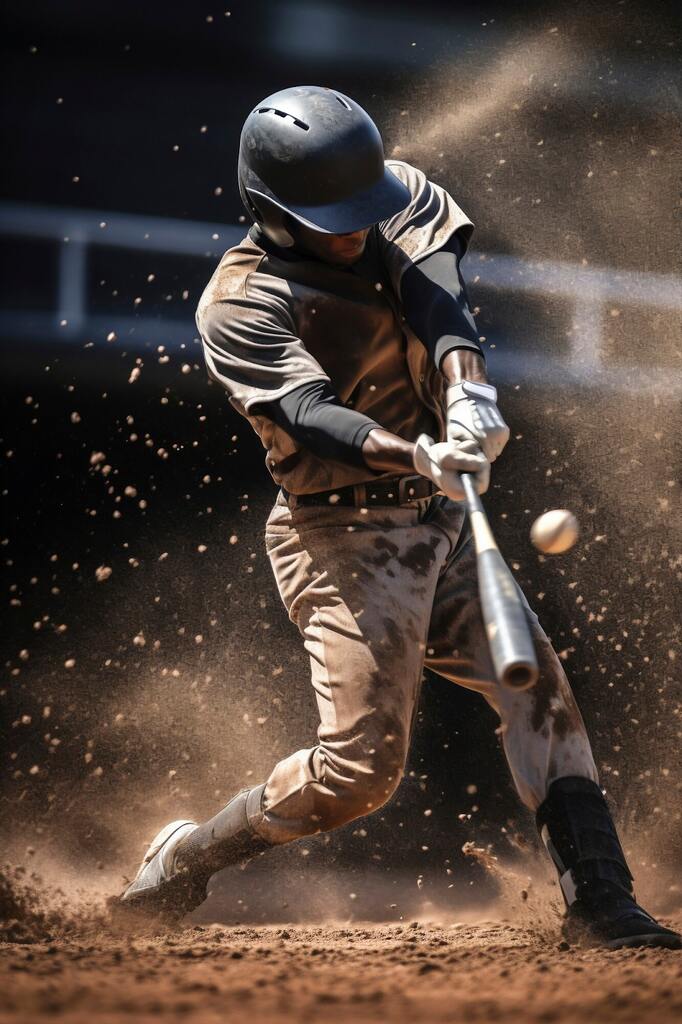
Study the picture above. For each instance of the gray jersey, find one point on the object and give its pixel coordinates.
(270, 323)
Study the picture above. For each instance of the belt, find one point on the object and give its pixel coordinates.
(395, 491)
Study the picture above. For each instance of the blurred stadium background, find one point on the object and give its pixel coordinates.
(149, 668)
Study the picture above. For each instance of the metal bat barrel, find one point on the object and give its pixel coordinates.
(504, 615)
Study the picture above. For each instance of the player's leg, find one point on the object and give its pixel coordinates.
(360, 588)
(542, 731)
(359, 585)
(549, 756)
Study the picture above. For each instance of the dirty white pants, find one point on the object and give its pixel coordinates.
(378, 595)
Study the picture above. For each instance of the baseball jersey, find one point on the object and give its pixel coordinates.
(271, 320)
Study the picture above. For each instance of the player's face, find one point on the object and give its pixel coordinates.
(341, 250)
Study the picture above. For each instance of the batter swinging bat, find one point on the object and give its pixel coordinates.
(511, 645)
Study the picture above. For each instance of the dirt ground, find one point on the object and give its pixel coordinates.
(490, 971)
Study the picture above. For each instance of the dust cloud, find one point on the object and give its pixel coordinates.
(563, 145)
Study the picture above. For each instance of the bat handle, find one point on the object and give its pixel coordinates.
(483, 537)
(471, 497)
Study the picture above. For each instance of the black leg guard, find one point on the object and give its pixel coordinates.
(577, 828)
(227, 838)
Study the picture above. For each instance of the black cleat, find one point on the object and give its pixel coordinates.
(601, 910)
(615, 921)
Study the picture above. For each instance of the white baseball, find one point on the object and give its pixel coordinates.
(555, 531)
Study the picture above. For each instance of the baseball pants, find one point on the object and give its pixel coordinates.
(378, 594)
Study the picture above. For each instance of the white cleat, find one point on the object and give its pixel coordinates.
(159, 888)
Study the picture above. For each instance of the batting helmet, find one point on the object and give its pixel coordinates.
(315, 155)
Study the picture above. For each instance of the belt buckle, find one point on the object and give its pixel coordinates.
(403, 484)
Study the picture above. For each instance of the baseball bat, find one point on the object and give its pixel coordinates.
(504, 616)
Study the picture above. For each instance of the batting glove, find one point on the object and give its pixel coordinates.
(472, 413)
(443, 461)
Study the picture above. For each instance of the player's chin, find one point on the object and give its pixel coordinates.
(347, 259)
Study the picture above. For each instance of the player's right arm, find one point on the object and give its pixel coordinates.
(315, 416)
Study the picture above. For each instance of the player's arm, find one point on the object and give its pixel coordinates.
(316, 417)
(436, 306)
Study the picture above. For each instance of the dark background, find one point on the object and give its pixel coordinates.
(161, 689)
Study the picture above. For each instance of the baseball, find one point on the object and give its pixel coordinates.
(554, 532)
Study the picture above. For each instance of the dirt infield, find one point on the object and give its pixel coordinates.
(412, 972)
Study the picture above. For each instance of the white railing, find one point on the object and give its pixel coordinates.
(75, 231)
(592, 291)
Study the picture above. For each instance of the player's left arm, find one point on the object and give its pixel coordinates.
(436, 307)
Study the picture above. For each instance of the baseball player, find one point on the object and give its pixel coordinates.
(340, 329)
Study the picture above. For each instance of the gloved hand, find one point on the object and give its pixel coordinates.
(472, 413)
(443, 461)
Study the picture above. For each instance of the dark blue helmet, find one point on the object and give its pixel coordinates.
(315, 155)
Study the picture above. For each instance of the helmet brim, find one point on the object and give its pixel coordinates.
(379, 202)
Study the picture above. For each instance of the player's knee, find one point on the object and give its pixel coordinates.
(363, 784)
(361, 796)
(375, 787)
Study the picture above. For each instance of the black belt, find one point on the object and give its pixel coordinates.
(396, 491)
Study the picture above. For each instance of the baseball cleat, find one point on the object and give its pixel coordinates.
(161, 889)
(601, 910)
(615, 921)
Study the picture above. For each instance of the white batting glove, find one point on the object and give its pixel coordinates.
(472, 413)
(443, 461)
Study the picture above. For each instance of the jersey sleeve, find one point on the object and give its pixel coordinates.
(435, 302)
(315, 416)
(251, 348)
(423, 227)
